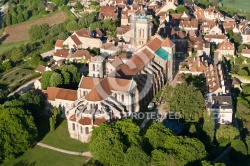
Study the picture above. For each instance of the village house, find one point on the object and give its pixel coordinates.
(222, 109)
(246, 53)
(225, 49)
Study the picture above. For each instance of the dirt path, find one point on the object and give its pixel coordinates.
(85, 154)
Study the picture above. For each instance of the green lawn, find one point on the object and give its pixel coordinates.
(7, 46)
(238, 4)
(39, 156)
(60, 139)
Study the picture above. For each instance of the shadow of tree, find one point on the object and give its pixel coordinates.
(4, 37)
(24, 163)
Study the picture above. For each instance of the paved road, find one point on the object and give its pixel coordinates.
(24, 87)
(85, 154)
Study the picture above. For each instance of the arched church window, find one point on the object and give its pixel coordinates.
(73, 126)
(122, 98)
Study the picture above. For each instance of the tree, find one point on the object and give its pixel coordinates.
(226, 133)
(72, 26)
(78, 5)
(136, 156)
(56, 29)
(192, 129)
(74, 74)
(38, 32)
(56, 79)
(243, 72)
(66, 77)
(53, 120)
(181, 9)
(186, 100)
(157, 135)
(86, 19)
(129, 131)
(185, 150)
(160, 158)
(106, 146)
(35, 60)
(63, 36)
(18, 132)
(33, 102)
(239, 150)
(45, 80)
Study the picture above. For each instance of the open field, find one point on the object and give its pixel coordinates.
(19, 32)
(60, 139)
(39, 156)
(238, 4)
(7, 46)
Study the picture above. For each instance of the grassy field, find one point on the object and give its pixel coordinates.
(60, 139)
(19, 32)
(238, 4)
(39, 156)
(7, 46)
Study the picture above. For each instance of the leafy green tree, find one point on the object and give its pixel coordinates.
(66, 77)
(78, 5)
(239, 150)
(186, 100)
(192, 129)
(185, 150)
(74, 74)
(45, 80)
(38, 32)
(207, 163)
(181, 9)
(129, 131)
(63, 36)
(18, 132)
(56, 79)
(57, 29)
(160, 158)
(17, 54)
(53, 120)
(136, 156)
(226, 133)
(106, 145)
(72, 26)
(243, 72)
(33, 102)
(35, 60)
(157, 135)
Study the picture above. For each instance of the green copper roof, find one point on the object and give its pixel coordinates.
(162, 53)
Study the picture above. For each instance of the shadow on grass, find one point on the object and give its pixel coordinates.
(42, 124)
(24, 163)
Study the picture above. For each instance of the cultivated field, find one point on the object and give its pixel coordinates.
(243, 5)
(19, 32)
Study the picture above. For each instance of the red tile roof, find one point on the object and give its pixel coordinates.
(40, 69)
(61, 53)
(98, 121)
(136, 63)
(167, 43)
(226, 45)
(72, 118)
(76, 40)
(245, 51)
(83, 33)
(59, 43)
(85, 121)
(155, 44)
(53, 93)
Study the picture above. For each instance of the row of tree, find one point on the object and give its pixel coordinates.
(65, 75)
(120, 143)
(22, 10)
